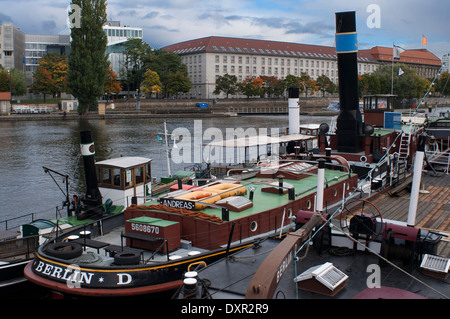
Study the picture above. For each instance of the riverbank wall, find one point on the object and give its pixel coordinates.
(150, 108)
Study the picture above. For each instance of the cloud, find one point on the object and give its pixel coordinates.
(304, 21)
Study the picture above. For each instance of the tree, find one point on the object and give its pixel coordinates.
(442, 85)
(272, 86)
(165, 63)
(151, 83)
(226, 84)
(307, 84)
(407, 85)
(14, 77)
(51, 75)
(43, 83)
(323, 83)
(136, 52)
(252, 87)
(88, 62)
(112, 85)
(178, 82)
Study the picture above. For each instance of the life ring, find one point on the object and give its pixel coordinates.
(64, 250)
(127, 258)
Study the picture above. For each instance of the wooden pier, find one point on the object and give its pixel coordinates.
(433, 212)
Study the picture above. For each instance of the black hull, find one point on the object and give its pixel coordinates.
(58, 275)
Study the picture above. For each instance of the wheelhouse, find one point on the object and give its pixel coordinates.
(121, 179)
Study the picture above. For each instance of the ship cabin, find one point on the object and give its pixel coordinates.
(121, 179)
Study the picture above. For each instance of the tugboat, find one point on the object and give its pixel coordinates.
(148, 247)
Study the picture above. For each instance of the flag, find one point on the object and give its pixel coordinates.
(396, 52)
(400, 71)
(159, 138)
(424, 40)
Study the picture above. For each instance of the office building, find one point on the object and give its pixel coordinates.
(12, 47)
(211, 57)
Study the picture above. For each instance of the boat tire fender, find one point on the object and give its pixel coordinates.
(64, 250)
(127, 258)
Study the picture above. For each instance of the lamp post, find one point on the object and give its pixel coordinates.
(10, 91)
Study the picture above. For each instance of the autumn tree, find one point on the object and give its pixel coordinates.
(151, 83)
(112, 85)
(272, 86)
(50, 76)
(252, 87)
(88, 61)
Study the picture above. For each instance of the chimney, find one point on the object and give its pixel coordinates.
(93, 200)
(349, 121)
(294, 110)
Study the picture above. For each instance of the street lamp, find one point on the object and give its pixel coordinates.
(10, 91)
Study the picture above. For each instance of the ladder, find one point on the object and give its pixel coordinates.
(403, 151)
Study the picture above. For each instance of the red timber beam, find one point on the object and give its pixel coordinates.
(266, 279)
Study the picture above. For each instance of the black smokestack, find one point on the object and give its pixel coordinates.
(93, 201)
(349, 121)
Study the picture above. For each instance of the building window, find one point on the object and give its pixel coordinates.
(247, 60)
(232, 69)
(225, 59)
(232, 59)
(225, 69)
(217, 59)
(217, 69)
(240, 59)
(254, 60)
(263, 60)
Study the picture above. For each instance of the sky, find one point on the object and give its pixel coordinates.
(165, 22)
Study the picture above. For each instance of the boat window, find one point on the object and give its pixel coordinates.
(128, 178)
(254, 226)
(116, 177)
(308, 204)
(139, 172)
(148, 172)
(106, 176)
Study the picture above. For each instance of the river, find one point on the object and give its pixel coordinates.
(27, 146)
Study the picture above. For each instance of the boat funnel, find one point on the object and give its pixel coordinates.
(294, 110)
(349, 121)
(92, 203)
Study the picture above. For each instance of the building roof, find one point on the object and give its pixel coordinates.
(5, 96)
(416, 56)
(259, 47)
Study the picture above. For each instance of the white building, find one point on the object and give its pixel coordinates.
(117, 35)
(211, 57)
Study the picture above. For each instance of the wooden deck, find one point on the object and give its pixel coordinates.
(433, 211)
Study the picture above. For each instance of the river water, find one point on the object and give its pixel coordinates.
(27, 146)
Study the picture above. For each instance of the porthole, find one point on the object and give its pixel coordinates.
(335, 192)
(308, 204)
(289, 215)
(254, 226)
